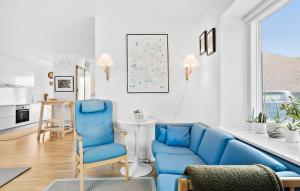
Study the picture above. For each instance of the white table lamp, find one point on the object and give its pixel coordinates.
(189, 62)
(106, 62)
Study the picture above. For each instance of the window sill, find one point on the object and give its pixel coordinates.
(277, 147)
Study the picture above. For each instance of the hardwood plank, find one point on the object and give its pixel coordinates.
(50, 160)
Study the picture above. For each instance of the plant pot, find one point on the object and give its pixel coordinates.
(261, 128)
(291, 136)
(251, 126)
(275, 130)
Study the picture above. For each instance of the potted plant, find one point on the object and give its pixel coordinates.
(275, 128)
(292, 133)
(250, 121)
(261, 123)
(292, 111)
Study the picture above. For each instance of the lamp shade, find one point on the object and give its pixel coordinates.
(190, 61)
(105, 60)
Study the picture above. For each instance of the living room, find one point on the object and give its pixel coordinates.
(141, 95)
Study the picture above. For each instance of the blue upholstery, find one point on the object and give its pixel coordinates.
(103, 152)
(162, 135)
(238, 153)
(287, 174)
(158, 147)
(94, 127)
(175, 164)
(213, 145)
(178, 136)
(90, 106)
(167, 182)
(197, 133)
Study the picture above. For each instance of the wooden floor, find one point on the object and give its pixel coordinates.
(53, 159)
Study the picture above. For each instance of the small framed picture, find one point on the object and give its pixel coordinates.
(203, 43)
(211, 41)
(64, 83)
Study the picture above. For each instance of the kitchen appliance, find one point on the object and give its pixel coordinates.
(22, 113)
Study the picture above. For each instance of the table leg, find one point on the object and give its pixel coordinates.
(72, 117)
(52, 116)
(136, 149)
(40, 122)
(137, 169)
(62, 120)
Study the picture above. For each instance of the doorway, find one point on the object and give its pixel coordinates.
(83, 83)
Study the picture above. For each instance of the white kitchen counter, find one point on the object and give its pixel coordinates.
(8, 115)
(277, 147)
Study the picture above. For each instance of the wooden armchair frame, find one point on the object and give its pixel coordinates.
(80, 166)
(185, 184)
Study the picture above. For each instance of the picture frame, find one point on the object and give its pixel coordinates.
(147, 63)
(211, 42)
(64, 83)
(203, 43)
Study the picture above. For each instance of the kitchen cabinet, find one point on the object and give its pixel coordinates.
(8, 115)
(6, 122)
(7, 111)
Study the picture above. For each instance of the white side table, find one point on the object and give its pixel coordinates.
(137, 169)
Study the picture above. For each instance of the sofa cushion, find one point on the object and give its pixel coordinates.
(213, 145)
(167, 182)
(158, 147)
(162, 134)
(197, 133)
(178, 136)
(175, 164)
(287, 174)
(90, 106)
(103, 152)
(164, 125)
(239, 153)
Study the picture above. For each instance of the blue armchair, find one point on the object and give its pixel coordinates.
(94, 137)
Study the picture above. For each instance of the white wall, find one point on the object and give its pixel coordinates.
(200, 102)
(232, 59)
(47, 35)
(200, 98)
(210, 73)
(235, 64)
(33, 43)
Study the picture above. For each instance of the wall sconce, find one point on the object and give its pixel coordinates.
(106, 62)
(189, 62)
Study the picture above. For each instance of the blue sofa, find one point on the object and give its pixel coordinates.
(208, 146)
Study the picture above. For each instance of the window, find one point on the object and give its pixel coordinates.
(280, 57)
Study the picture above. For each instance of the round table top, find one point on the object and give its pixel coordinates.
(132, 121)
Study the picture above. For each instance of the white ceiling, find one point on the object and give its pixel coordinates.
(153, 8)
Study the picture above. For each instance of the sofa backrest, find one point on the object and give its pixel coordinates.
(94, 122)
(239, 153)
(213, 145)
(197, 133)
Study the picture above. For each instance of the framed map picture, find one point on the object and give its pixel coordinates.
(147, 63)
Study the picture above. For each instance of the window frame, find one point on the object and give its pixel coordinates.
(254, 19)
